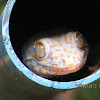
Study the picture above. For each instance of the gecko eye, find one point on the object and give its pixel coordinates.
(40, 50)
(81, 42)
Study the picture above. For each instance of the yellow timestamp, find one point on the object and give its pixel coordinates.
(88, 86)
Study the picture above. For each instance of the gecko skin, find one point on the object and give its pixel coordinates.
(58, 55)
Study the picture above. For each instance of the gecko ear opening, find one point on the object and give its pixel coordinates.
(40, 50)
(80, 41)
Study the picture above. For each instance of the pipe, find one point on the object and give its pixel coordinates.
(19, 78)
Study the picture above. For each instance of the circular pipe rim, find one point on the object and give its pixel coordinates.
(21, 67)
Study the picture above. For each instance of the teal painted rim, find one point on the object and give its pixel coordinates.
(21, 67)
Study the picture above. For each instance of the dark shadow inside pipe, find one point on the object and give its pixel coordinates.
(28, 19)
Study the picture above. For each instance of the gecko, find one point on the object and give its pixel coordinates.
(56, 55)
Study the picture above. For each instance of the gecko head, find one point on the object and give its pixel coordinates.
(58, 55)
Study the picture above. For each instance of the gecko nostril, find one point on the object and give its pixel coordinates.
(39, 50)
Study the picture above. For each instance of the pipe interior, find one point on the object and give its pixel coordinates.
(28, 19)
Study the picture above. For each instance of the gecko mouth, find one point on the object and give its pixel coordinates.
(22, 26)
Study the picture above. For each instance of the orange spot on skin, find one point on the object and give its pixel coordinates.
(31, 61)
(66, 69)
(60, 62)
(54, 65)
(57, 70)
(76, 67)
(53, 46)
(81, 51)
(70, 65)
(70, 38)
(69, 51)
(61, 55)
(51, 58)
(72, 47)
(57, 50)
(62, 70)
(40, 70)
(70, 42)
(31, 53)
(47, 73)
(78, 58)
(50, 69)
(56, 73)
(68, 56)
(64, 64)
(45, 67)
(52, 41)
(47, 60)
(66, 40)
(32, 66)
(53, 69)
(44, 39)
(56, 57)
(60, 44)
(37, 64)
(80, 66)
(48, 42)
(65, 50)
(75, 52)
(58, 40)
(71, 68)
